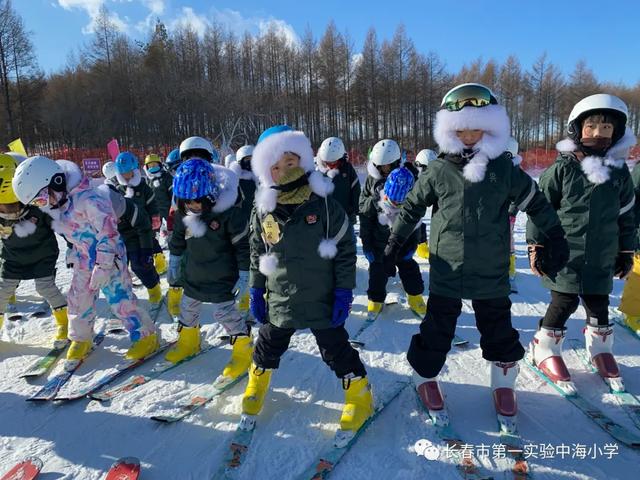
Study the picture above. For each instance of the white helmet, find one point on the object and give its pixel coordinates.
(196, 143)
(229, 159)
(245, 151)
(18, 157)
(599, 101)
(425, 157)
(331, 150)
(385, 152)
(109, 170)
(36, 173)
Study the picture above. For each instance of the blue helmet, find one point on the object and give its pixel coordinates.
(173, 159)
(398, 184)
(195, 179)
(274, 129)
(126, 162)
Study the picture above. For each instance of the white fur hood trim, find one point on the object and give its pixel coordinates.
(270, 150)
(195, 225)
(228, 183)
(241, 172)
(267, 198)
(492, 119)
(72, 173)
(24, 228)
(134, 182)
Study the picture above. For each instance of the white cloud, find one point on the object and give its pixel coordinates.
(281, 27)
(156, 7)
(192, 20)
(92, 8)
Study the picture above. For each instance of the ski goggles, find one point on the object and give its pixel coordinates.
(41, 199)
(467, 96)
(333, 165)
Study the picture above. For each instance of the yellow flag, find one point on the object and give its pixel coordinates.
(18, 147)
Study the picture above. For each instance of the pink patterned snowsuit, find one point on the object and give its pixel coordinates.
(88, 222)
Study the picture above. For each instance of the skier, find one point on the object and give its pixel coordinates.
(591, 188)
(512, 149)
(385, 158)
(211, 232)
(423, 158)
(29, 250)
(303, 257)
(332, 160)
(198, 147)
(161, 183)
(472, 182)
(85, 218)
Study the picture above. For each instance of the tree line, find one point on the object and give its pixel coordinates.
(229, 88)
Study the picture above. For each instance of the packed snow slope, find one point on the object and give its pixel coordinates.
(79, 440)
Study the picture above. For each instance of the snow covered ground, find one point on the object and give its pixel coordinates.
(80, 440)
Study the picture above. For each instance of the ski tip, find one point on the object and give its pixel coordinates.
(125, 468)
(28, 469)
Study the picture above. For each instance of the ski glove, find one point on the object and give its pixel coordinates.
(242, 284)
(369, 256)
(100, 276)
(342, 300)
(156, 223)
(257, 304)
(550, 258)
(173, 274)
(624, 264)
(391, 254)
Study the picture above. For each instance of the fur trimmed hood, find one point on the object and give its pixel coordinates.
(72, 173)
(598, 169)
(492, 119)
(241, 172)
(322, 167)
(130, 184)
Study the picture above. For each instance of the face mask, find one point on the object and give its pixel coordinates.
(12, 216)
(595, 145)
(192, 213)
(153, 170)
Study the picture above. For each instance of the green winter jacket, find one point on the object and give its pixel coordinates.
(469, 240)
(31, 256)
(248, 192)
(300, 293)
(598, 220)
(347, 189)
(210, 270)
(134, 225)
(163, 190)
(143, 196)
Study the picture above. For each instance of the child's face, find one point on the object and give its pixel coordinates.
(193, 206)
(281, 167)
(593, 128)
(469, 137)
(10, 207)
(128, 175)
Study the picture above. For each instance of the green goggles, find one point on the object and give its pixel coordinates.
(467, 96)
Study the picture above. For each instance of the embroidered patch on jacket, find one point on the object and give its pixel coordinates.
(311, 219)
(270, 230)
(5, 231)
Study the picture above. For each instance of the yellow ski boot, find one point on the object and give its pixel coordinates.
(143, 347)
(160, 263)
(188, 344)
(512, 266)
(240, 360)
(632, 322)
(358, 407)
(155, 294)
(417, 305)
(374, 309)
(62, 327)
(78, 350)
(256, 390)
(174, 297)
(423, 250)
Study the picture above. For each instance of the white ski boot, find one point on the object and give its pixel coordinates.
(432, 398)
(599, 343)
(503, 381)
(545, 352)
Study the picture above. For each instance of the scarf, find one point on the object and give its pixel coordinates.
(293, 188)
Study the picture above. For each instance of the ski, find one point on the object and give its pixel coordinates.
(137, 380)
(238, 447)
(127, 468)
(610, 426)
(514, 447)
(53, 385)
(27, 469)
(371, 319)
(197, 401)
(469, 466)
(45, 363)
(628, 401)
(619, 319)
(111, 376)
(326, 462)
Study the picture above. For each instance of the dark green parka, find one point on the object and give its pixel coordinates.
(597, 215)
(141, 193)
(346, 189)
(300, 285)
(162, 187)
(29, 248)
(247, 188)
(469, 238)
(134, 225)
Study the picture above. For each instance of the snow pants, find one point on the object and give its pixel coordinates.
(45, 286)
(225, 313)
(144, 270)
(563, 305)
(335, 349)
(408, 270)
(119, 294)
(499, 341)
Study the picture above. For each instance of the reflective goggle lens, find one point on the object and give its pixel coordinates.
(42, 198)
(468, 96)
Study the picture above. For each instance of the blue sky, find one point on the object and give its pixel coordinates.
(605, 34)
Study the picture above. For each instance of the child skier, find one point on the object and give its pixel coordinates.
(333, 161)
(84, 216)
(374, 232)
(211, 232)
(29, 250)
(174, 295)
(423, 158)
(590, 187)
(472, 182)
(161, 183)
(303, 257)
